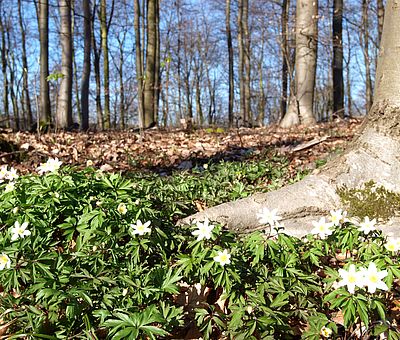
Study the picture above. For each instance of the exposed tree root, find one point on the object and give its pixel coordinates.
(374, 155)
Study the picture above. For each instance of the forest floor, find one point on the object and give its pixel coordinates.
(164, 151)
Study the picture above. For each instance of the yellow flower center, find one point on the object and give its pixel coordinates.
(140, 227)
(352, 279)
(224, 257)
(373, 278)
(3, 259)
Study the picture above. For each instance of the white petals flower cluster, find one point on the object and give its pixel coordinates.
(8, 175)
(271, 218)
(52, 165)
(140, 229)
(204, 230)
(326, 332)
(368, 225)
(338, 217)
(223, 257)
(19, 231)
(369, 277)
(5, 261)
(393, 244)
(122, 208)
(322, 228)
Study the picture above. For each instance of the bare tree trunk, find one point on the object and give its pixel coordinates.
(45, 108)
(372, 156)
(247, 68)
(74, 68)
(337, 64)
(178, 76)
(306, 62)
(6, 84)
(261, 95)
(85, 81)
(64, 109)
(139, 62)
(231, 99)
(381, 14)
(13, 83)
(157, 73)
(25, 91)
(242, 101)
(106, 64)
(96, 64)
(151, 55)
(285, 55)
(365, 39)
(121, 83)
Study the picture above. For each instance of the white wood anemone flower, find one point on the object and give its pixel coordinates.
(52, 165)
(322, 228)
(223, 257)
(368, 225)
(393, 244)
(204, 230)
(326, 332)
(373, 278)
(351, 278)
(338, 217)
(140, 229)
(266, 216)
(122, 208)
(19, 231)
(5, 261)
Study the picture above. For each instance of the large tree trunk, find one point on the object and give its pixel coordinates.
(85, 81)
(302, 100)
(25, 87)
(64, 109)
(365, 40)
(285, 55)
(231, 99)
(373, 155)
(139, 62)
(96, 66)
(381, 14)
(6, 110)
(150, 74)
(337, 64)
(247, 68)
(45, 108)
(106, 64)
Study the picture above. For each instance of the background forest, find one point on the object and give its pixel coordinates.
(122, 63)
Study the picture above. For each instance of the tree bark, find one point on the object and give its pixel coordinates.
(247, 68)
(45, 108)
(27, 108)
(85, 81)
(381, 14)
(106, 64)
(96, 65)
(285, 55)
(150, 74)
(240, 41)
(372, 155)
(64, 108)
(337, 63)
(231, 90)
(302, 101)
(365, 39)
(74, 68)
(6, 109)
(139, 61)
